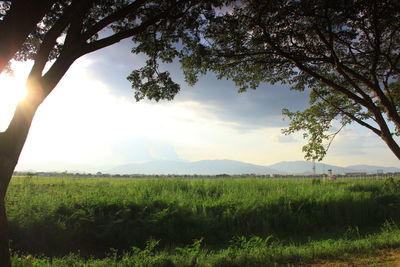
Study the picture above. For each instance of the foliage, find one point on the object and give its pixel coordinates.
(344, 54)
(392, 186)
(278, 255)
(64, 34)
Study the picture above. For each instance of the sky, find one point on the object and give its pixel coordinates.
(92, 122)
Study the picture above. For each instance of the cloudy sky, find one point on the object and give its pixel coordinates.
(92, 122)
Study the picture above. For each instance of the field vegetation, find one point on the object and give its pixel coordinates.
(199, 222)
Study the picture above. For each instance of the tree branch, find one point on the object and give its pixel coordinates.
(112, 18)
(336, 61)
(342, 69)
(17, 24)
(50, 40)
(366, 103)
(115, 38)
(333, 137)
(348, 114)
(74, 33)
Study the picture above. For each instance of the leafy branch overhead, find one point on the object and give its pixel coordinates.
(344, 54)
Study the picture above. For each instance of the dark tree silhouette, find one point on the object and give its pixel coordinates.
(17, 21)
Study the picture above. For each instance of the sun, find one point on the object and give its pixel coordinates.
(12, 90)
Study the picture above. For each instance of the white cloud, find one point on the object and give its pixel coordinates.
(280, 138)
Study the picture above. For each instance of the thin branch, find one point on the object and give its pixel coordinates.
(115, 38)
(123, 12)
(333, 137)
(342, 68)
(376, 46)
(339, 65)
(348, 114)
(366, 103)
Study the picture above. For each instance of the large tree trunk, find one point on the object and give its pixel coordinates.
(20, 21)
(392, 144)
(385, 133)
(4, 247)
(11, 144)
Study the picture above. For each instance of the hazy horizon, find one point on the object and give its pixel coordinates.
(205, 167)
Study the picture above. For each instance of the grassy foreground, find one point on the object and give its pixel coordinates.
(175, 222)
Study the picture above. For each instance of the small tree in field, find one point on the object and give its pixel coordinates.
(54, 33)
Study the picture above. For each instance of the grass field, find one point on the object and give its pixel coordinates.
(199, 222)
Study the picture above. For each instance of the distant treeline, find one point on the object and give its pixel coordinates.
(223, 175)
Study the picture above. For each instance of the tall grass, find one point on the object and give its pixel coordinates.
(238, 218)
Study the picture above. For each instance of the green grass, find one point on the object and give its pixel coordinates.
(236, 222)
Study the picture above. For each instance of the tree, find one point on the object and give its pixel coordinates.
(18, 19)
(345, 54)
(69, 29)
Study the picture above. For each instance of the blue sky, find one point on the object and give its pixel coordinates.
(92, 122)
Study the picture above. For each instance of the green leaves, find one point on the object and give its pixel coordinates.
(166, 40)
(153, 85)
(321, 122)
(315, 127)
(343, 52)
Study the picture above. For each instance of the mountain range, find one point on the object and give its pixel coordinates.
(213, 167)
(210, 167)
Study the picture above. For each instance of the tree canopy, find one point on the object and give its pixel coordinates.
(344, 54)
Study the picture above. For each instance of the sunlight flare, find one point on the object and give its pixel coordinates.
(12, 90)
